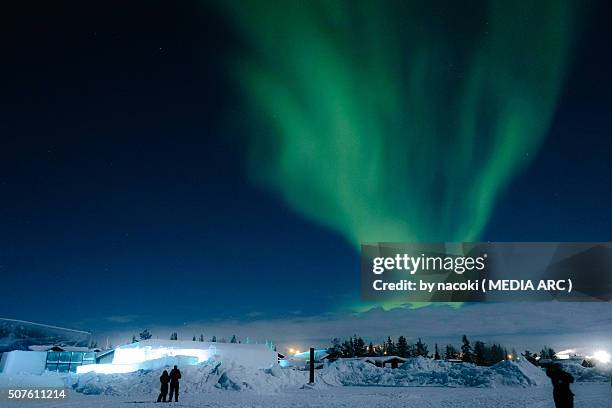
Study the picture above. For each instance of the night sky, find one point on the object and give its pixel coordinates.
(126, 193)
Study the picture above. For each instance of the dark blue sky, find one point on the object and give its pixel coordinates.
(123, 189)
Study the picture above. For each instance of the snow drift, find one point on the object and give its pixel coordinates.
(227, 375)
(203, 377)
(426, 372)
(599, 373)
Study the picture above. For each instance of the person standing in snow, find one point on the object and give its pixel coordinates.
(175, 376)
(561, 380)
(164, 380)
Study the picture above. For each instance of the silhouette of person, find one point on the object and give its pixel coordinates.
(175, 375)
(164, 380)
(561, 380)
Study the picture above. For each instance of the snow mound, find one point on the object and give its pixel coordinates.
(197, 378)
(427, 372)
(355, 372)
(519, 373)
(414, 372)
(225, 375)
(600, 373)
(424, 371)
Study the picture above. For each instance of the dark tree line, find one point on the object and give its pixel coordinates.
(546, 353)
(356, 347)
(478, 353)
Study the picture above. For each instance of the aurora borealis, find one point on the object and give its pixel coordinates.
(399, 121)
(226, 158)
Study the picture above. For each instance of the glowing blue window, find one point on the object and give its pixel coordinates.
(52, 357)
(77, 357)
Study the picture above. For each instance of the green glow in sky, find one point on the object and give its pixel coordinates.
(399, 121)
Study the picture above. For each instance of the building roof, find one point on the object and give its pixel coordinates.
(104, 353)
(21, 334)
(60, 348)
(383, 359)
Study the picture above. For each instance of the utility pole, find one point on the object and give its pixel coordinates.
(312, 358)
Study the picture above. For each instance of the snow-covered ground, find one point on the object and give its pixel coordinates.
(588, 395)
(418, 383)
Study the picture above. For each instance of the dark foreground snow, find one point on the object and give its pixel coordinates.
(588, 395)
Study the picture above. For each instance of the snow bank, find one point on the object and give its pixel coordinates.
(226, 375)
(599, 373)
(426, 372)
(198, 378)
(46, 380)
(519, 373)
(355, 372)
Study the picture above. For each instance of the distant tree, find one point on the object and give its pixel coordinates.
(335, 351)
(201, 337)
(145, 335)
(360, 347)
(214, 339)
(348, 348)
(466, 350)
(233, 340)
(247, 340)
(547, 353)
(401, 347)
(390, 346)
(479, 354)
(451, 352)
(174, 336)
(412, 352)
(194, 338)
(495, 354)
(437, 353)
(134, 339)
(421, 349)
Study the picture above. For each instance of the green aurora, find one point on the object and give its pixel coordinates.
(399, 121)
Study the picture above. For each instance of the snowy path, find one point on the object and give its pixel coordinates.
(588, 395)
